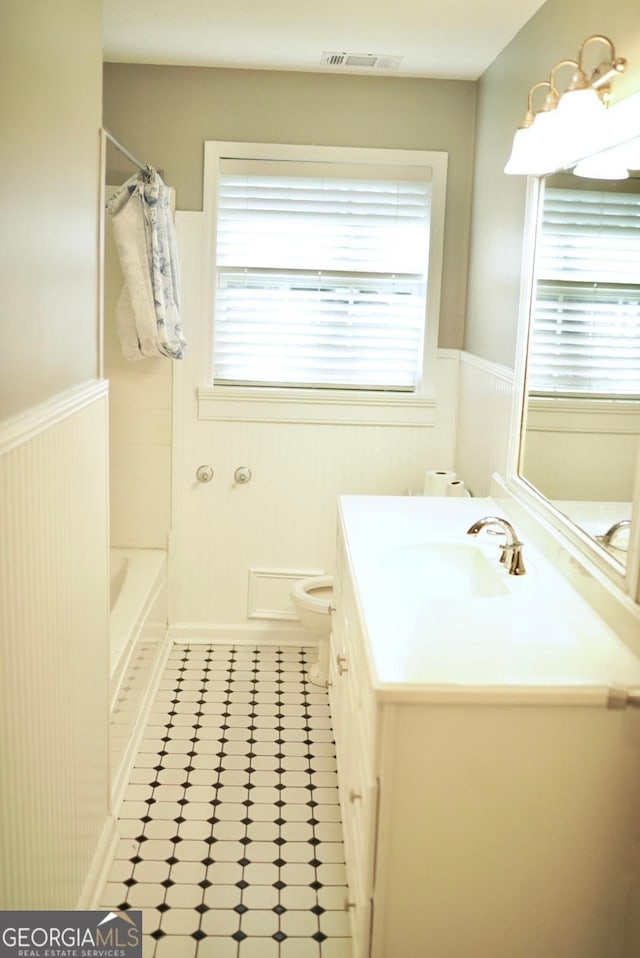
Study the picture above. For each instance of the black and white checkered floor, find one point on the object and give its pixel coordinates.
(231, 842)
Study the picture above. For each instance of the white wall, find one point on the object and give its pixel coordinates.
(139, 428)
(284, 519)
(54, 776)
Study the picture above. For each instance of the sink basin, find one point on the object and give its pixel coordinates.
(445, 570)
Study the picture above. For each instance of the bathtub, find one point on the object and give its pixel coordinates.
(138, 631)
(137, 577)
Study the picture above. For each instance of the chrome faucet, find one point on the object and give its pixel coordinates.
(607, 538)
(511, 554)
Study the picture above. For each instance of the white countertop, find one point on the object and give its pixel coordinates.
(537, 641)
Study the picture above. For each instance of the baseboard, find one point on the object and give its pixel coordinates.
(266, 634)
(119, 785)
(100, 867)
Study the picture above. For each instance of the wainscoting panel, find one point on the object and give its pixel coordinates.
(484, 421)
(54, 774)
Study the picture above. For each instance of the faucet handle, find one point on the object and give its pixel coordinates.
(512, 558)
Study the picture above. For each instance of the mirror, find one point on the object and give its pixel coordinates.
(581, 417)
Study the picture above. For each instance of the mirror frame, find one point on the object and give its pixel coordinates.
(624, 125)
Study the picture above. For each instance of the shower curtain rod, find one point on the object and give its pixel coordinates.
(121, 149)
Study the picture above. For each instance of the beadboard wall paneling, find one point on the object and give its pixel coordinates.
(54, 774)
(285, 517)
(139, 428)
(484, 421)
(598, 439)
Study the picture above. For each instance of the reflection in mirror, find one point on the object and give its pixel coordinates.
(581, 418)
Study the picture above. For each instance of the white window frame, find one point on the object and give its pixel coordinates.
(211, 397)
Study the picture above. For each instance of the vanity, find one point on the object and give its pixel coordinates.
(489, 770)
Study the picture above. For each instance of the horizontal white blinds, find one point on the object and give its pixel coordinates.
(321, 276)
(586, 312)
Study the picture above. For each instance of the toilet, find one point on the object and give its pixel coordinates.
(312, 599)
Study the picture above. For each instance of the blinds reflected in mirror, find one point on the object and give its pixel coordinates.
(585, 332)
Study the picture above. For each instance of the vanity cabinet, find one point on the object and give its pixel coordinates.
(480, 823)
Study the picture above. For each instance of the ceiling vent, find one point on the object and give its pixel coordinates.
(368, 61)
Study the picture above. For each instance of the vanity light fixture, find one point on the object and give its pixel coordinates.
(565, 124)
(608, 165)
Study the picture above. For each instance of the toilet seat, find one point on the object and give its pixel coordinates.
(303, 591)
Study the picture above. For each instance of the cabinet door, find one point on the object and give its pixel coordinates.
(351, 698)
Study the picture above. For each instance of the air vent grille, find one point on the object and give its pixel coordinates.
(367, 61)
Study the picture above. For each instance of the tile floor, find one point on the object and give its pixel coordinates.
(231, 842)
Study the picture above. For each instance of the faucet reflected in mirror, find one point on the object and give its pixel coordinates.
(581, 416)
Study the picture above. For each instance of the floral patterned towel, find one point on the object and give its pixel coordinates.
(148, 311)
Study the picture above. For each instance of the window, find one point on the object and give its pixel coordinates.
(585, 337)
(322, 261)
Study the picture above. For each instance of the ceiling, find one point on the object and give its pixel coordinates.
(452, 39)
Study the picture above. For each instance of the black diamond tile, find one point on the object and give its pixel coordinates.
(158, 768)
(158, 934)
(167, 883)
(312, 821)
(198, 935)
(313, 841)
(316, 885)
(201, 909)
(163, 907)
(279, 841)
(207, 861)
(279, 936)
(279, 884)
(141, 838)
(315, 862)
(279, 862)
(130, 882)
(204, 884)
(245, 841)
(123, 906)
(240, 909)
(280, 821)
(244, 861)
(176, 839)
(135, 860)
(317, 910)
(239, 936)
(280, 909)
(179, 820)
(172, 861)
(210, 840)
(319, 936)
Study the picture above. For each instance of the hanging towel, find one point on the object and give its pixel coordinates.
(148, 311)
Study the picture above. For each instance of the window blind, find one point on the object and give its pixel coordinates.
(585, 337)
(321, 274)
